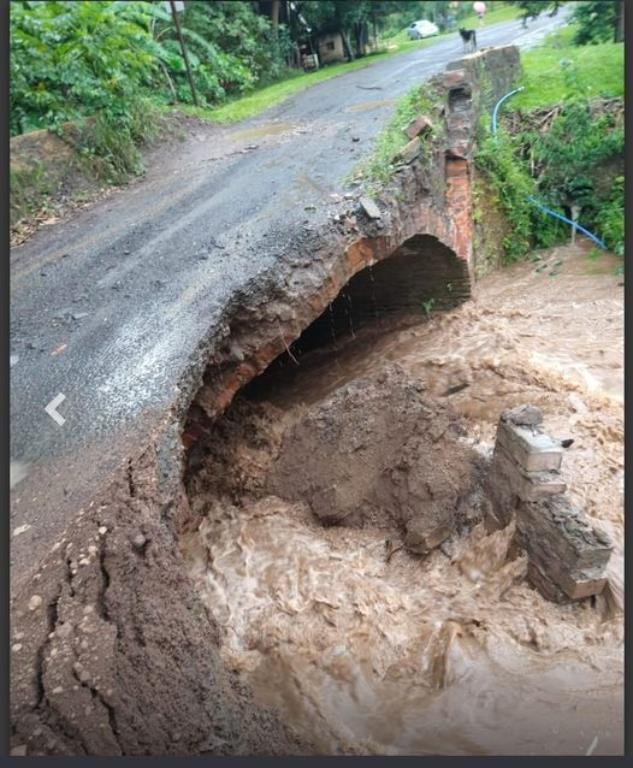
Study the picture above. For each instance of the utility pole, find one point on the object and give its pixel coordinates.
(174, 13)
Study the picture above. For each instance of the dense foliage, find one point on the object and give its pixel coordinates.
(100, 64)
(75, 58)
(563, 167)
(69, 59)
(597, 21)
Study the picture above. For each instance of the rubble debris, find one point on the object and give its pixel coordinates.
(410, 151)
(428, 532)
(524, 416)
(418, 126)
(370, 208)
(368, 456)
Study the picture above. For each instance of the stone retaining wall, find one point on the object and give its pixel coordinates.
(567, 557)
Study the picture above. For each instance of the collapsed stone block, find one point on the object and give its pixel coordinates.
(527, 485)
(532, 449)
(567, 557)
(370, 208)
(410, 151)
(417, 126)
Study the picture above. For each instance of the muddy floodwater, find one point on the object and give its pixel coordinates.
(368, 649)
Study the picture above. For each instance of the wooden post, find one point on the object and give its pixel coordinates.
(184, 52)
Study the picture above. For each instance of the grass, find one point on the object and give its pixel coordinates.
(256, 102)
(378, 168)
(556, 68)
(253, 103)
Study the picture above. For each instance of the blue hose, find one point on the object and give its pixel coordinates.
(530, 199)
(496, 109)
(549, 211)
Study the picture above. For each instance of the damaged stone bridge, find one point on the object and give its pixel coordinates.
(410, 245)
(112, 653)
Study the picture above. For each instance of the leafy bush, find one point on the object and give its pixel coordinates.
(562, 167)
(496, 159)
(571, 151)
(610, 218)
(88, 63)
(598, 22)
(71, 59)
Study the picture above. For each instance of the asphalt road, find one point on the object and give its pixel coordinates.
(108, 308)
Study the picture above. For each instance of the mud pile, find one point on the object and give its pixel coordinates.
(380, 453)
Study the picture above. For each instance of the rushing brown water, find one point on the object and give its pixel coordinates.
(454, 653)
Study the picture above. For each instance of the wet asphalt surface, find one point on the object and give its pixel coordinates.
(109, 307)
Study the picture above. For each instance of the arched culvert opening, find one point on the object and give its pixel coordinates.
(421, 275)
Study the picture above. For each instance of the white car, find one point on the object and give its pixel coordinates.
(423, 28)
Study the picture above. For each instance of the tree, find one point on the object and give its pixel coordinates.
(599, 22)
(532, 9)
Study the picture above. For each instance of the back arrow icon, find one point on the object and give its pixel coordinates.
(52, 406)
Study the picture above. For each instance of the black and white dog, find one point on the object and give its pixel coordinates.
(469, 38)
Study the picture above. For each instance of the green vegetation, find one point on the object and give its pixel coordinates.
(103, 66)
(378, 168)
(498, 159)
(29, 186)
(263, 98)
(597, 21)
(427, 305)
(563, 165)
(88, 64)
(609, 217)
(558, 70)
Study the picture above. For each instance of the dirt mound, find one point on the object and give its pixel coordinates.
(380, 452)
(114, 654)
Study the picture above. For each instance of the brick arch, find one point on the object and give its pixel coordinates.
(421, 273)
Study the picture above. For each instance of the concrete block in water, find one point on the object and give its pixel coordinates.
(527, 485)
(530, 447)
(567, 555)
